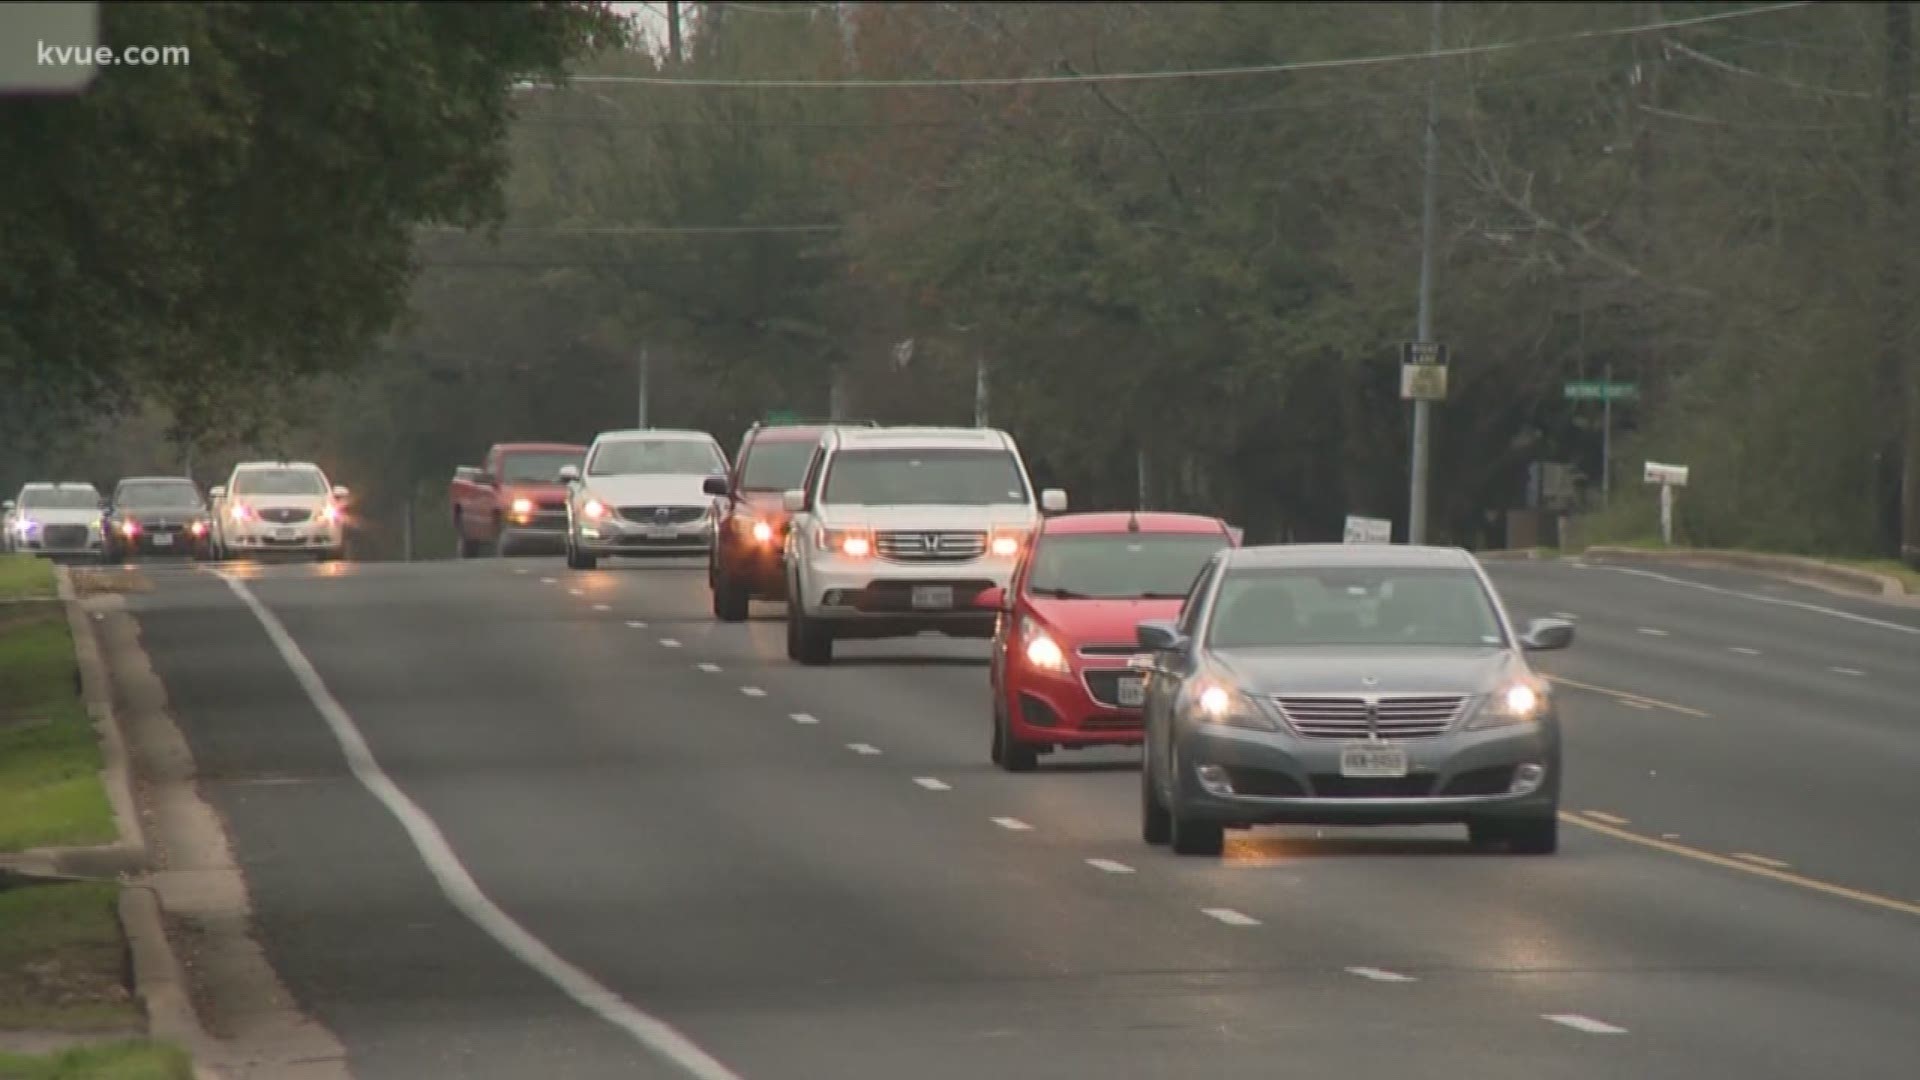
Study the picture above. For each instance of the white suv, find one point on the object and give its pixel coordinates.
(898, 531)
(268, 506)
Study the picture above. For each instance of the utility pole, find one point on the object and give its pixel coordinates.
(1422, 408)
(1140, 477)
(1606, 437)
(673, 30)
(1896, 485)
(980, 390)
(646, 377)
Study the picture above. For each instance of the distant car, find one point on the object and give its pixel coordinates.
(1348, 684)
(56, 518)
(515, 500)
(157, 515)
(642, 492)
(750, 523)
(284, 507)
(897, 531)
(1059, 674)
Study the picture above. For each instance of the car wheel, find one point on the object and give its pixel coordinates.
(579, 560)
(808, 640)
(730, 601)
(1015, 756)
(998, 753)
(500, 544)
(1156, 825)
(1189, 836)
(1534, 836)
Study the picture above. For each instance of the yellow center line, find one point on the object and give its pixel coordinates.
(1602, 815)
(1905, 907)
(1635, 699)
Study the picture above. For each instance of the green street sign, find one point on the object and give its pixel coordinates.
(782, 416)
(1596, 390)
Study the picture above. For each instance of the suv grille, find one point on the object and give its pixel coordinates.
(662, 515)
(931, 546)
(284, 515)
(1346, 717)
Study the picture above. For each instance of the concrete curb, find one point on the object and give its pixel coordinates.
(1826, 575)
(159, 979)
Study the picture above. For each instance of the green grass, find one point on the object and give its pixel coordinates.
(1904, 574)
(50, 789)
(63, 959)
(25, 575)
(136, 1059)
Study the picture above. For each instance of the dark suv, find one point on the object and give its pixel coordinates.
(750, 526)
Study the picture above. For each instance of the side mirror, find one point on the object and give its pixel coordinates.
(1547, 635)
(217, 491)
(8, 505)
(340, 491)
(569, 474)
(1159, 635)
(716, 486)
(1053, 501)
(992, 599)
(793, 501)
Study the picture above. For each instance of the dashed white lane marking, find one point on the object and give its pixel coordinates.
(1602, 815)
(601, 607)
(1567, 615)
(709, 668)
(1743, 650)
(549, 581)
(1846, 671)
(636, 624)
(1632, 704)
(519, 569)
(576, 592)
(1377, 975)
(1110, 866)
(1760, 860)
(669, 643)
(1584, 1023)
(931, 784)
(863, 749)
(1012, 824)
(1230, 917)
(753, 691)
(1836, 613)
(1651, 631)
(803, 718)
(457, 883)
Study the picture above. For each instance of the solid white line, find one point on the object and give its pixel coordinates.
(932, 784)
(1760, 860)
(1743, 650)
(1230, 917)
(1651, 632)
(803, 718)
(601, 607)
(1378, 975)
(1602, 815)
(1632, 704)
(576, 592)
(863, 748)
(1801, 604)
(636, 624)
(1012, 824)
(1584, 1023)
(669, 643)
(1846, 671)
(708, 667)
(457, 883)
(1110, 866)
(753, 691)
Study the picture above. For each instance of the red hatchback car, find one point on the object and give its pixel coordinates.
(1066, 632)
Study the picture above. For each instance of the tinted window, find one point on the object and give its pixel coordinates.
(279, 482)
(1121, 565)
(71, 498)
(157, 496)
(924, 478)
(1353, 607)
(636, 456)
(776, 465)
(537, 467)
(1190, 610)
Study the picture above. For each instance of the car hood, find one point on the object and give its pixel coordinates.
(1348, 671)
(930, 518)
(1099, 622)
(158, 513)
(51, 516)
(649, 489)
(281, 502)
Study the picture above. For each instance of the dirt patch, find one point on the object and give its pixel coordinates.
(101, 580)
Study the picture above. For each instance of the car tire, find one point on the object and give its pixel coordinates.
(1156, 824)
(579, 560)
(730, 599)
(1534, 835)
(809, 641)
(997, 753)
(1190, 836)
(1015, 756)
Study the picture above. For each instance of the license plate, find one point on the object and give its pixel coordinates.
(162, 540)
(932, 597)
(1133, 691)
(661, 532)
(1373, 761)
(285, 534)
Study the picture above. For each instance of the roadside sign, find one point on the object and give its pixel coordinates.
(1365, 530)
(42, 46)
(1600, 390)
(1423, 382)
(782, 416)
(1423, 352)
(1666, 475)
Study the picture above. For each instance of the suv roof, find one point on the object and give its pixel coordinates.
(536, 447)
(250, 466)
(957, 438)
(677, 434)
(153, 480)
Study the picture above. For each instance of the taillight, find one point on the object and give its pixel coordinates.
(852, 543)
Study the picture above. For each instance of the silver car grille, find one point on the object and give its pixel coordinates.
(285, 515)
(931, 546)
(1398, 717)
(662, 515)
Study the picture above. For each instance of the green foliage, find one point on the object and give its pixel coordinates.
(133, 1059)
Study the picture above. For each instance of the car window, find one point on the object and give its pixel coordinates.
(65, 498)
(1121, 566)
(633, 457)
(924, 477)
(279, 482)
(1196, 597)
(157, 495)
(537, 466)
(776, 465)
(1399, 606)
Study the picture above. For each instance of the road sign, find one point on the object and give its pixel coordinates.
(1364, 530)
(1598, 390)
(1423, 352)
(41, 46)
(782, 416)
(1666, 475)
(1423, 382)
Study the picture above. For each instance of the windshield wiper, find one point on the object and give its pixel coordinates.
(1059, 594)
(1162, 596)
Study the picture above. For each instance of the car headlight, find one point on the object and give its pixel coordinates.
(1213, 702)
(1041, 650)
(762, 532)
(594, 510)
(523, 506)
(1516, 703)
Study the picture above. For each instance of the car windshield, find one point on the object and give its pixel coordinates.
(924, 478)
(637, 456)
(1121, 566)
(163, 495)
(537, 466)
(71, 498)
(1353, 606)
(279, 482)
(776, 464)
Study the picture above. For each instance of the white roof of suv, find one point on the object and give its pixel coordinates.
(957, 438)
(663, 434)
(249, 466)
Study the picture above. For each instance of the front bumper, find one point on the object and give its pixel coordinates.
(1279, 778)
(877, 598)
(1080, 708)
(160, 542)
(300, 537)
(613, 537)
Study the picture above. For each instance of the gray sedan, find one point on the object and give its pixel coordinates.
(1349, 685)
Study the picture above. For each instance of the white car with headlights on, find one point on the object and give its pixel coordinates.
(285, 507)
(1348, 684)
(900, 531)
(642, 492)
(56, 518)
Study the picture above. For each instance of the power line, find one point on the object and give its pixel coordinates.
(635, 230)
(1197, 73)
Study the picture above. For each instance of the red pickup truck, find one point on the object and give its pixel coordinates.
(514, 499)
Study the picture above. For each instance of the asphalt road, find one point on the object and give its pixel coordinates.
(815, 873)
